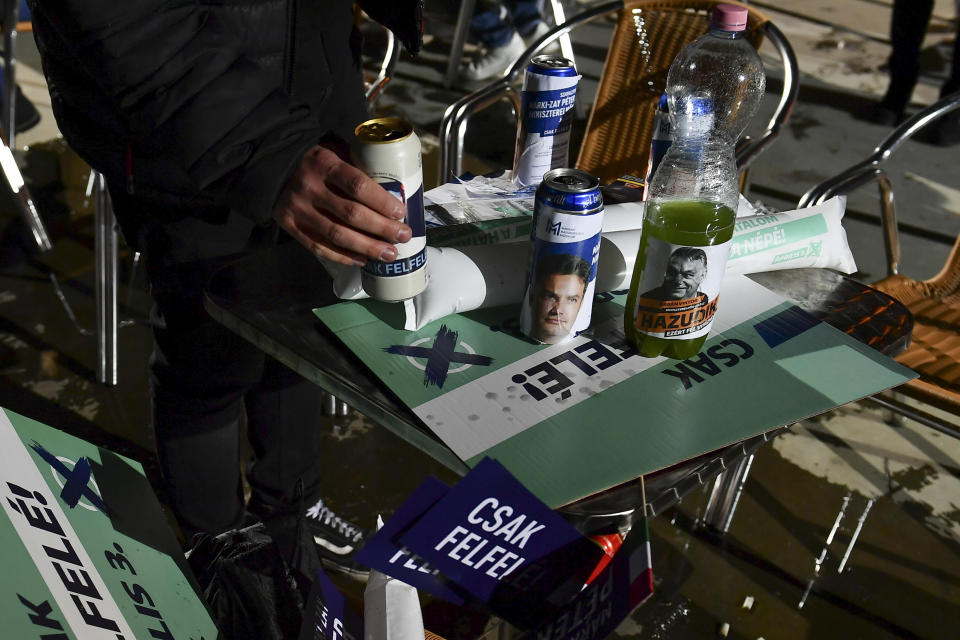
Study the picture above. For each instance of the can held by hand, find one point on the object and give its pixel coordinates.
(564, 248)
(546, 114)
(388, 150)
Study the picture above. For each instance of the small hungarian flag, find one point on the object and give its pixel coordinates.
(624, 581)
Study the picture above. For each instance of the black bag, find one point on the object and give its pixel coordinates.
(256, 580)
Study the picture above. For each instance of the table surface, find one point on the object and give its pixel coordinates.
(269, 299)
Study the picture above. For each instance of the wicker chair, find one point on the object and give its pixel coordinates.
(647, 37)
(934, 352)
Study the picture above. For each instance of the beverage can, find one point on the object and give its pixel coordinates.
(660, 141)
(564, 248)
(388, 150)
(546, 114)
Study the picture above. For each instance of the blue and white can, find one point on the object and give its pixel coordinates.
(388, 150)
(692, 117)
(564, 249)
(546, 115)
(660, 142)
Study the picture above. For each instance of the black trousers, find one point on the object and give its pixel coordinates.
(207, 383)
(908, 26)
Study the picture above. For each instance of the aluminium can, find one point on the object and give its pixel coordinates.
(546, 114)
(388, 150)
(660, 141)
(564, 248)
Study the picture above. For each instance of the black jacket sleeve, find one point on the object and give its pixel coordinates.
(185, 95)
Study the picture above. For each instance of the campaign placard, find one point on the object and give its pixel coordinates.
(573, 419)
(87, 551)
(327, 615)
(396, 560)
(502, 545)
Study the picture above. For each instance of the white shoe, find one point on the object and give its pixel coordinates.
(538, 32)
(495, 61)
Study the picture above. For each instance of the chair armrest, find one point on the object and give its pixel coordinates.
(871, 168)
(389, 62)
(858, 174)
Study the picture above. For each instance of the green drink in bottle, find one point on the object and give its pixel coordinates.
(714, 87)
(687, 228)
(676, 279)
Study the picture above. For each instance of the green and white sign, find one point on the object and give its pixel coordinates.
(573, 419)
(87, 552)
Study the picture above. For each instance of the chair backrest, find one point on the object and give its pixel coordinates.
(648, 36)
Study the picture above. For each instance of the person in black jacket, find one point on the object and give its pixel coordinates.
(908, 26)
(217, 125)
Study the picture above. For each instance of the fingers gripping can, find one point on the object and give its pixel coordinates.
(564, 247)
(546, 113)
(388, 150)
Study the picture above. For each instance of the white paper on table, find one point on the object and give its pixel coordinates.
(391, 608)
(474, 277)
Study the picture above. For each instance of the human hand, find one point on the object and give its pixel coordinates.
(338, 212)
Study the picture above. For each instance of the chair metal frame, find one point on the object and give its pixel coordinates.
(374, 87)
(27, 208)
(872, 169)
(453, 125)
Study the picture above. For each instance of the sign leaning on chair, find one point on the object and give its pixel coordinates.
(86, 548)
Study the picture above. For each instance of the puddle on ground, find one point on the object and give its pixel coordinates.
(860, 452)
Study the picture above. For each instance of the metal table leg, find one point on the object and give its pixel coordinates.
(105, 264)
(459, 39)
(726, 494)
(10, 17)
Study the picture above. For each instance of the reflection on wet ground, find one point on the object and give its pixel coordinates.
(847, 528)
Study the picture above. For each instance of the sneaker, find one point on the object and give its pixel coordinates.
(495, 61)
(538, 32)
(337, 540)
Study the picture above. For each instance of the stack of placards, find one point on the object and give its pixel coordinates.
(489, 541)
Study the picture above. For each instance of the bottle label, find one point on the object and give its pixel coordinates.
(411, 255)
(547, 114)
(679, 289)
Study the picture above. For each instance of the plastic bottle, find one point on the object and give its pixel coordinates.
(714, 87)
(723, 66)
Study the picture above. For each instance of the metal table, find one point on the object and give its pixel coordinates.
(268, 298)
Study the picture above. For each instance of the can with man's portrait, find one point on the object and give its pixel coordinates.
(564, 248)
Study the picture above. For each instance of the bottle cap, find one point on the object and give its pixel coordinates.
(728, 17)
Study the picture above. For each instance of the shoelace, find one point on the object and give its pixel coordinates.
(323, 513)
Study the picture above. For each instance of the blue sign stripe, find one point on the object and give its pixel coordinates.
(782, 326)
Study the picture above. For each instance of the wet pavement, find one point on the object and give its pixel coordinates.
(848, 526)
